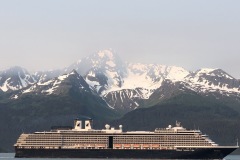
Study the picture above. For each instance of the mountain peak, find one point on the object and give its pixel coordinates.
(206, 70)
(59, 85)
(213, 73)
(14, 70)
(74, 72)
(105, 59)
(107, 53)
(15, 78)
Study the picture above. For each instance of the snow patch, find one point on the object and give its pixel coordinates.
(91, 74)
(206, 70)
(5, 85)
(15, 97)
(45, 83)
(93, 84)
(30, 89)
(111, 63)
(229, 77)
(106, 53)
(63, 77)
(23, 82)
(50, 90)
(177, 73)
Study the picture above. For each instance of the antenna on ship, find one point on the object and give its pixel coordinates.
(237, 141)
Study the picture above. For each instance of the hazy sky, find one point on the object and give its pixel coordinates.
(50, 34)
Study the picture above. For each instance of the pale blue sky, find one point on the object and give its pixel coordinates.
(50, 34)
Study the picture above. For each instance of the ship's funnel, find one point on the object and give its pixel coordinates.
(88, 124)
(83, 124)
(77, 124)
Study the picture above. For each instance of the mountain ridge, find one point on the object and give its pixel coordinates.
(126, 86)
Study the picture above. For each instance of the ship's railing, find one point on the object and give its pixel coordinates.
(70, 131)
(163, 130)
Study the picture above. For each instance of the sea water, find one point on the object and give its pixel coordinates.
(10, 156)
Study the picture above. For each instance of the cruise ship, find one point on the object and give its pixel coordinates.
(81, 141)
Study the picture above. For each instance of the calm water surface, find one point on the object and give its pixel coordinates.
(10, 156)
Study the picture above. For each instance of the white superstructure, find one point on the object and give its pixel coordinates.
(82, 136)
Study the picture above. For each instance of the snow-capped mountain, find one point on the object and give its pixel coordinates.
(103, 70)
(124, 86)
(59, 85)
(15, 78)
(140, 83)
(205, 82)
(212, 80)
